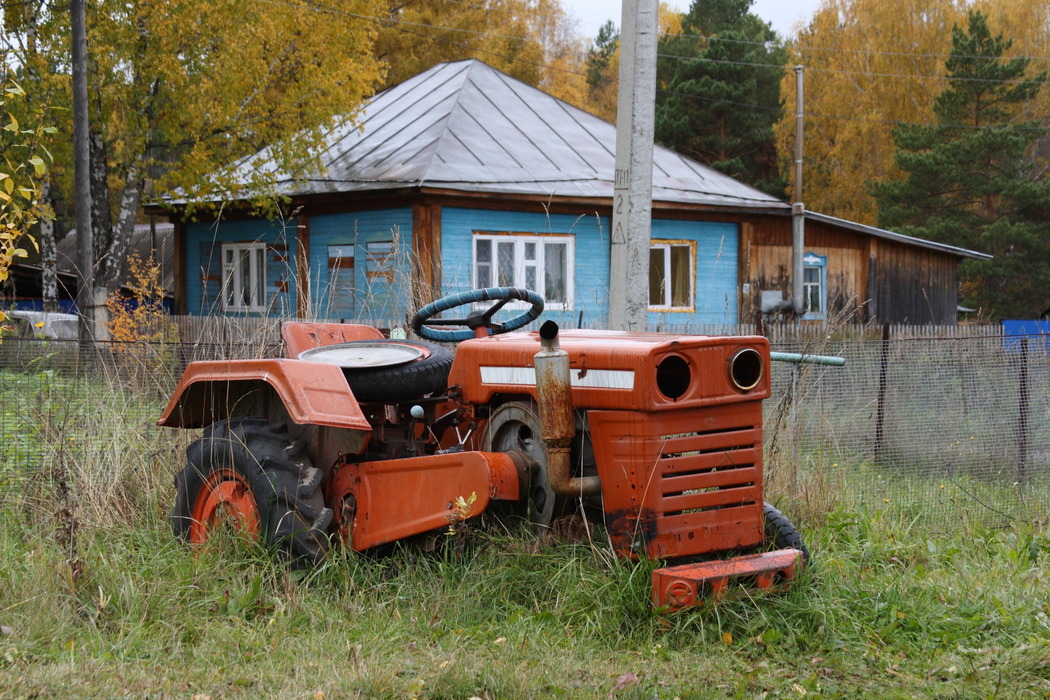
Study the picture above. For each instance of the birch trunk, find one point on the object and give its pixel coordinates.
(48, 256)
(116, 255)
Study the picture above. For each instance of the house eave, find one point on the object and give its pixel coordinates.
(896, 237)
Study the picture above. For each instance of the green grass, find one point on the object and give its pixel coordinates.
(903, 600)
(886, 611)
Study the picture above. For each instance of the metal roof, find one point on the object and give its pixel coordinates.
(467, 126)
(898, 237)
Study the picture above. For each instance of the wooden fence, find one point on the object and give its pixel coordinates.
(229, 331)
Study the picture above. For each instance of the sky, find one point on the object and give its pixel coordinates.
(782, 14)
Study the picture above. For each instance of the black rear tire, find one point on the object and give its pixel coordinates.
(781, 534)
(285, 486)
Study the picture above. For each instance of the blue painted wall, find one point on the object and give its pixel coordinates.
(591, 273)
(387, 298)
(717, 246)
(377, 299)
(204, 263)
(716, 265)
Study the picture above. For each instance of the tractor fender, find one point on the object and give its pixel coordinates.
(311, 393)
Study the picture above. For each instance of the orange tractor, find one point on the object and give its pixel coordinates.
(357, 439)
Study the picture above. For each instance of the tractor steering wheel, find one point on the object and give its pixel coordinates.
(479, 323)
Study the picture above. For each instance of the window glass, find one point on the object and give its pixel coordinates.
(657, 276)
(379, 260)
(672, 275)
(555, 272)
(258, 282)
(814, 279)
(483, 263)
(681, 276)
(505, 251)
(244, 276)
(340, 291)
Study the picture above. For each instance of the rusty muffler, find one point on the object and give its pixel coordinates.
(557, 423)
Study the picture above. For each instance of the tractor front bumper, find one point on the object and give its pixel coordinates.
(686, 585)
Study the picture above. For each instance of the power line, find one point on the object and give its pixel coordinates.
(801, 48)
(868, 74)
(409, 28)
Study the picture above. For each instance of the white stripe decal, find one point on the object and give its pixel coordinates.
(592, 378)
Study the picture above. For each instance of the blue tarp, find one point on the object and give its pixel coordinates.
(1037, 333)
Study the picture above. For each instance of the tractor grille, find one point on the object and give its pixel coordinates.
(681, 492)
(708, 470)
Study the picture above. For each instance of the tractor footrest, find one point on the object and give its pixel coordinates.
(685, 585)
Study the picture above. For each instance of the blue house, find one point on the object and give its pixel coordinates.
(462, 178)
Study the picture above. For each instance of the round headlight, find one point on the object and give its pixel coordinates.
(673, 376)
(745, 369)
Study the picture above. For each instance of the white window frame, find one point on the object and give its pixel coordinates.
(523, 264)
(666, 246)
(812, 261)
(342, 271)
(233, 276)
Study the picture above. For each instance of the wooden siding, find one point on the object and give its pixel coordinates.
(716, 264)
(204, 264)
(846, 277)
(591, 234)
(377, 296)
(914, 286)
(868, 279)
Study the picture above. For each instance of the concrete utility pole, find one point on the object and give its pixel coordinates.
(82, 175)
(633, 186)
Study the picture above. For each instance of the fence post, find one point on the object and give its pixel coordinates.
(880, 412)
(1022, 414)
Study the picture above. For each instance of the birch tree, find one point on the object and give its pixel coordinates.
(23, 165)
(182, 92)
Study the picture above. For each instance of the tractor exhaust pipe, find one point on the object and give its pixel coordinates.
(557, 423)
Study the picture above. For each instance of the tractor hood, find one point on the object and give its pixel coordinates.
(619, 369)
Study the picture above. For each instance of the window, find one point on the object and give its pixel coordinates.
(814, 285)
(379, 260)
(672, 275)
(543, 264)
(244, 276)
(341, 281)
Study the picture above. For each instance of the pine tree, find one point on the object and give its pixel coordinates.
(602, 67)
(969, 179)
(719, 91)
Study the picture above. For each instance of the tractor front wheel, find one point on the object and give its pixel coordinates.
(253, 475)
(781, 534)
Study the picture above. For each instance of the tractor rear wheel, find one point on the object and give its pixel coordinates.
(781, 534)
(252, 474)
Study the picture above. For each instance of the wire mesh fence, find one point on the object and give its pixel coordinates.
(949, 424)
(942, 423)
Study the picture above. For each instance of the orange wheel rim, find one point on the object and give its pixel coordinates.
(225, 496)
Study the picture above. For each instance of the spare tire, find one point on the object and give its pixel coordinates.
(426, 375)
